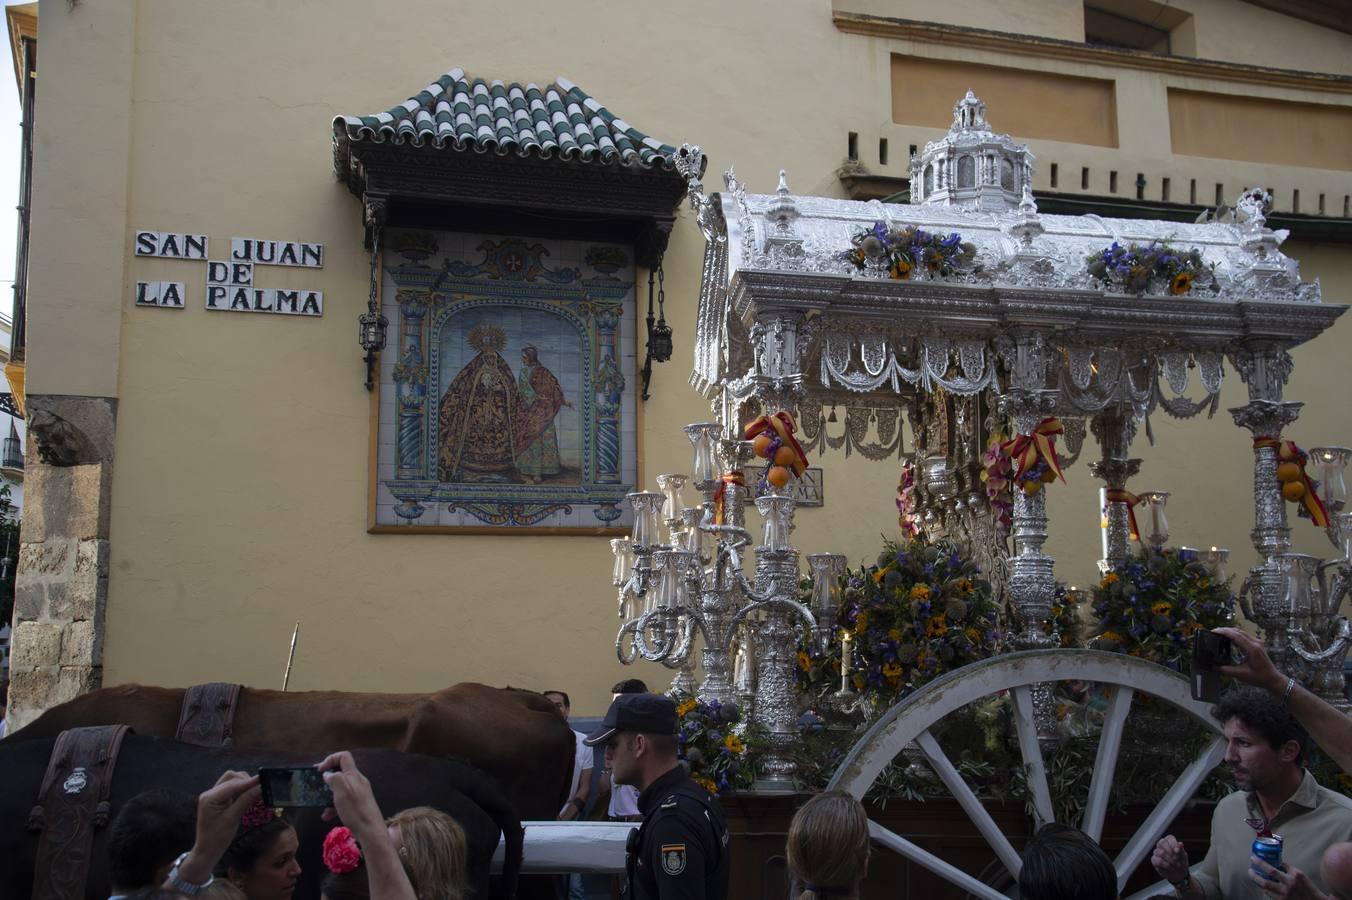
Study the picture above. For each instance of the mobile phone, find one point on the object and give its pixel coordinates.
(1209, 650)
(295, 786)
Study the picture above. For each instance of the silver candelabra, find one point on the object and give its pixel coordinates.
(681, 575)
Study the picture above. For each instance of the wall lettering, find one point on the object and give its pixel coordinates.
(277, 253)
(171, 245)
(164, 294)
(265, 300)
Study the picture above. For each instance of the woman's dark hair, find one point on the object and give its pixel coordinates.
(250, 844)
(630, 686)
(1262, 712)
(352, 885)
(1061, 862)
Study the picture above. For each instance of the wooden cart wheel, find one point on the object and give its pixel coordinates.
(910, 721)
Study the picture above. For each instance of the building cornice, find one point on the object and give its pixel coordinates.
(1073, 51)
(23, 23)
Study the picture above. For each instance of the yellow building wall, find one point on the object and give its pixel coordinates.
(239, 492)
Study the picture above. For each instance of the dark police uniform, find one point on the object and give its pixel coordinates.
(680, 852)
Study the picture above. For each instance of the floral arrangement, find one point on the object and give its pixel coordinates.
(1151, 605)
(907, 518)
(909, 249)
(715, 745)
(920, 611)
(341, 853)
(997, 473)
(1065, 619)
(1134, 267)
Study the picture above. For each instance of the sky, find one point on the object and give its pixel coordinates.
(11, 119)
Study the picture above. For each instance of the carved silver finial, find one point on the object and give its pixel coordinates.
(782, 210)
(1028, 223)
(730, 182)
(969, 114)
(972, 167)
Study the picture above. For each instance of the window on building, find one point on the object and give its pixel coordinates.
(1138, 25)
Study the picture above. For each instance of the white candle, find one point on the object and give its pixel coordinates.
(846, 647)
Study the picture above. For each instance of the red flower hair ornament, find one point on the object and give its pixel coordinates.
(341, 853)
(258, 814)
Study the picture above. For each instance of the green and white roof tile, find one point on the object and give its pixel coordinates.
(461, 113)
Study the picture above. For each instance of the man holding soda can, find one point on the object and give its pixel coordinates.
(1279, 816)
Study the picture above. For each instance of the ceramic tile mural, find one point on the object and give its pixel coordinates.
(507, 397)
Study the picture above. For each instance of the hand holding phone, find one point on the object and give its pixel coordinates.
(295, 786)
(1210, 651)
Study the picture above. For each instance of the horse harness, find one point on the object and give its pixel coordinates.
(207, 717)
(71, 805)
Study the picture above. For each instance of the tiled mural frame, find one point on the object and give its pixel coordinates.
(455, 301)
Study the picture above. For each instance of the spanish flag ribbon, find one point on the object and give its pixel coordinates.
(1026, 449)
(781, 425)
(721, 493)
(1313, 505)
(1116, 495)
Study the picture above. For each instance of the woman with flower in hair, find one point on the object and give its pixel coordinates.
(261, 861)
(432, 848)
(346, 878)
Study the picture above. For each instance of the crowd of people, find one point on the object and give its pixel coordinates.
(226, 845)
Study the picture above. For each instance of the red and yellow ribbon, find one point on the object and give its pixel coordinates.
(1026, 449)
(1313, 505)
(1116, 495)
(721, 493)
(781, 425)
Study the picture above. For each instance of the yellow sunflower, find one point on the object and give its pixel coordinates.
(1181, 284)
(920, 592)
(686, 706)
(804, 663)
(734, 743)
(879, 575)
(973, 635)
(1163, 608)
(1110, 578)
(936, 627)
(891, 670)
(900, 268)
(705, 783)
(861, 623)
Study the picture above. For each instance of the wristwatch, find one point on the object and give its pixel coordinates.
(1181, 884)
(186, 888)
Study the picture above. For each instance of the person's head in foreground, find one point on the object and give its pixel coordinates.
(1265, 745)
(432, 848)
(261, 861)
(1061, 862)
(828, 846)
(639, 734)
(148, 834)
(1335, 870)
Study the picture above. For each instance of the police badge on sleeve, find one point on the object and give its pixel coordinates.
(673, 858)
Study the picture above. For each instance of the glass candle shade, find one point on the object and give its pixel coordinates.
(620, 549)
(1330, 467)
(647, 508)
(704, 437)
(1344, 522)
(1156, 526)
(777, 510)
(672, 505)
(826, 569)
(1215, 560)
(672, 567)
(1298, 569)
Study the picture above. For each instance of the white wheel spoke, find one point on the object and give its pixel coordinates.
(948, 774)
(895, 842)
(1034, 765)
(1105, 762)
(1152, 829)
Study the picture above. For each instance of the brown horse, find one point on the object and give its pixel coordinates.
(513, 735)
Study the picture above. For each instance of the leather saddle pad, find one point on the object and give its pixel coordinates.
(207, 717)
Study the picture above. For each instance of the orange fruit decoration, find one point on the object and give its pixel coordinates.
(761, 445)
(1032, 487)
(1048, 476)
(777, 476)
(1293, 491)
(1288, 472)
(1285, 451)
(785, 456)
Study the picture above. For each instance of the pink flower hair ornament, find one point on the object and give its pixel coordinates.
(341, 853)
(258, 814)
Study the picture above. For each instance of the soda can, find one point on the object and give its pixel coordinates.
(1269, 850)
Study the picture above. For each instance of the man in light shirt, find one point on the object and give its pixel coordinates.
(623, 798)
(577, 795)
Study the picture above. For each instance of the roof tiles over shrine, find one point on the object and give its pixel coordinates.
(461, 113)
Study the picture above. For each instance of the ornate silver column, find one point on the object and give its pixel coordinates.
(1114, 428)
(779, 340)
(776, 707)
(1264, 370)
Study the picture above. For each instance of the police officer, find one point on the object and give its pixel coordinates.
(680, 852)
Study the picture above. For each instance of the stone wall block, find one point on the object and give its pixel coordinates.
(30, 600)
(84, 597)
(33, 683)
(47, 558)
(81, 645)
(35, 644)
(74, 681)
(91, 558)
